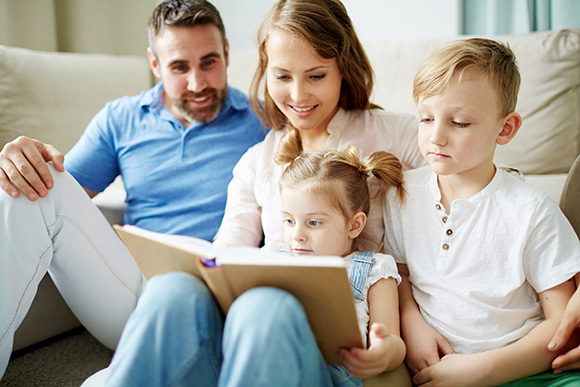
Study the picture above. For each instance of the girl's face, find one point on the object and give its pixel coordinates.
(312, 227)
(304, 86)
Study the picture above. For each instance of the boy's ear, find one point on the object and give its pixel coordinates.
(357, 224)
(511, 125)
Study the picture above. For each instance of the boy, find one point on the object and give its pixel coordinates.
(486, 260)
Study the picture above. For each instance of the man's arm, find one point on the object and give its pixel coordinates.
(527, 356)
(23, 167)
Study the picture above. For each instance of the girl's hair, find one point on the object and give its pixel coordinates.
(486, 57)
(325, 25)
(340, 177)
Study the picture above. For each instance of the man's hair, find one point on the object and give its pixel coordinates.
(487, 58)
(183, 13)
(325, 25)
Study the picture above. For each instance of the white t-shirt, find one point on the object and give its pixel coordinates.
(254, 202)
(384, 267)
(476, 272)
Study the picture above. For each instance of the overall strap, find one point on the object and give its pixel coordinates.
(359, 271)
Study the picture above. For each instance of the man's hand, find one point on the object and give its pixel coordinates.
(23, 167)
(425, 345)
(363, 363)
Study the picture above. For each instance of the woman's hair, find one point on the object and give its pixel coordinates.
(485, 57)
(325, 25)
(183, 13)
(340, 177)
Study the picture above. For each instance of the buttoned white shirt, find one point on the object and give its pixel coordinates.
(476, 273)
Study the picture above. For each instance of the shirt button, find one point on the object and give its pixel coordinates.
(444, 219)
(438, 206)
(449, 232)
(445, 246)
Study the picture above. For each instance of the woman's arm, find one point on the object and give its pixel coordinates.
(527, 356)
(242, 224)
(386, 349)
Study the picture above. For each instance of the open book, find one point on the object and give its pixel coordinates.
(319, 283)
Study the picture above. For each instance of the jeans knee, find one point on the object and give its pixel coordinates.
(266, 307)
(175, 291)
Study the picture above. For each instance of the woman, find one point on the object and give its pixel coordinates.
(322, 102)
(317, 86)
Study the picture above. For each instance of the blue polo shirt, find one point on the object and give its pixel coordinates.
(176, 177)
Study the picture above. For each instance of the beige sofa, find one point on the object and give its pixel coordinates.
(52, 97)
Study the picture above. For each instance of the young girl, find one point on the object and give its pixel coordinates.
(325, 205)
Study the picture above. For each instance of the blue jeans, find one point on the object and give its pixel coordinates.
(174, 338)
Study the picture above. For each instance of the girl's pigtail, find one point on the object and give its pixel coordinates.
(389, 172)
(290, 147)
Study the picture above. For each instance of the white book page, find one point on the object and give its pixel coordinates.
(256, 256)
(197, 246)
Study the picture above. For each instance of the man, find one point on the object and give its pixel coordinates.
(175, 146)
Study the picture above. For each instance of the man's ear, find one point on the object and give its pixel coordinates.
(227, 52)
(511, 125)
(153, 62)
(357, 224)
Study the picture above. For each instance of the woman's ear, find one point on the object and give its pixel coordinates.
(511, 125)
(357, 224)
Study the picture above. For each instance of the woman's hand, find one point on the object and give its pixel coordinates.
(383, 348)
(23, 167)
(570, 323)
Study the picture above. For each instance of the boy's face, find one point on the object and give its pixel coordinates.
(312, 227)
(459, 127)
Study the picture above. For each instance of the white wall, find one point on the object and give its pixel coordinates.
(373, 19)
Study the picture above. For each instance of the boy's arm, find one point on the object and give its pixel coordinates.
(386, 349)
(424, 344)
(527, 356)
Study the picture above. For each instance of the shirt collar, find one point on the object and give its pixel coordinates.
(486, 192)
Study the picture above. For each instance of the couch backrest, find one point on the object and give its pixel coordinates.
(549, 99)
(53, 96)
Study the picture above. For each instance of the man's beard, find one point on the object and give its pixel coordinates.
(205, 114)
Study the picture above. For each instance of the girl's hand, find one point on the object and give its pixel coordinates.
(453, 371)
(425, 346)
(363, 363)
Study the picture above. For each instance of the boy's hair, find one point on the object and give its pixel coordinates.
(326, 26)
(340, 177)
(488, 58)
(183, 13)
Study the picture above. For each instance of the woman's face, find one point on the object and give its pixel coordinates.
(304, 86)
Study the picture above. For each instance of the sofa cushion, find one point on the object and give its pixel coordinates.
(52, 96)
(549, 98)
